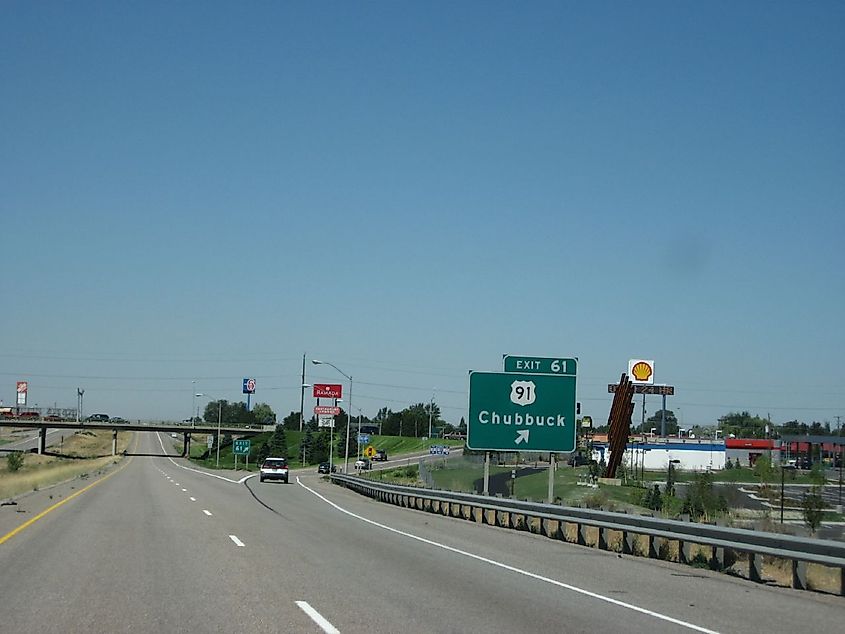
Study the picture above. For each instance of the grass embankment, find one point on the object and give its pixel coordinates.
(82, 453)
(395, 446)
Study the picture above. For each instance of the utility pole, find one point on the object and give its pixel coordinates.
(302, 394)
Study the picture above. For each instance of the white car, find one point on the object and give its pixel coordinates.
(274, 469)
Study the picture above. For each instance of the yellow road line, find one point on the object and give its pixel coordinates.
(28, 523)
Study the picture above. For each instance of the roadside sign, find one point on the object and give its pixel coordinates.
(328, 390)
(641, 371)
(331, 410)
(21, 388)
(249, 386)
(511, 411)
(325, 420)
(240, 447)
(363, 439)
(561, 366)
(370, 451)
(210, 441)
(439, 450)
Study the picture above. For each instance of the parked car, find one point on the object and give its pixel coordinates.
(363, 463)
(325, 467)
(381, 455)
(97, 418)
(274, 469)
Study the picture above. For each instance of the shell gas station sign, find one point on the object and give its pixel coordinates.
(641, 371)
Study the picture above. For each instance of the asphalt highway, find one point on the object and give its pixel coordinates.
(160, 546)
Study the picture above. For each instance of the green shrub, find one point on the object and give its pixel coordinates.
(15, 460)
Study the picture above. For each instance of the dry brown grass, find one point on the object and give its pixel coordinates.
(84, 452)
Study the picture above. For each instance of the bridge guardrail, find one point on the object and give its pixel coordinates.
(551, 520)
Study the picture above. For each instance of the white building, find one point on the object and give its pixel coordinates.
(656, 454)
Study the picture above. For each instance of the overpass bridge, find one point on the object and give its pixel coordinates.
(42, 426)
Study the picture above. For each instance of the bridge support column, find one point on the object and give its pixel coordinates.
(114, 442)
(186, 444)
(42, 440)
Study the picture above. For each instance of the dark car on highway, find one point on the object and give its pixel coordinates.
(325, 467)
(97, 418)
(381, 455)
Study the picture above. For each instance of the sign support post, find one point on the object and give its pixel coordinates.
(551, 478)
(486, 473)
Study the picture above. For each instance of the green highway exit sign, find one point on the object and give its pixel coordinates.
(240, 447)
(541, 365)
(520, 411)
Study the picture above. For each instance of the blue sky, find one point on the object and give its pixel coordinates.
(206, 191)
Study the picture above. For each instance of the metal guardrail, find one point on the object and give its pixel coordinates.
(551, 520)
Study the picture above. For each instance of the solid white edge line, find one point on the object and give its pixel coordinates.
(498, 564)
(235, 539)
(317, 618)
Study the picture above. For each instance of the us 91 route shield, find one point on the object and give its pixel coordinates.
(510, 411)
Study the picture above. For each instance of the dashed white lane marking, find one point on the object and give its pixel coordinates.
(317, 618)
(498, 564)
(205, 473)
(207, 512)
(193, 499)
(184, 490)
(235, 539)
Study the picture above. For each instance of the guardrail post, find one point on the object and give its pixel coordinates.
(581, 532)
(684, 549)
(603, 538)
(653, 547)
(842, 582)
(799, 574)
(717, 558)
(628, 542)
(755, 567)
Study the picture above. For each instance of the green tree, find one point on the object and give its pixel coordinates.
(744, 425)
(812, 505)
(264, 414)
(702, 500)
(764, 470)
(278, 443)
(654, 501)
(654, 421)
(291, 421)
(263, 453)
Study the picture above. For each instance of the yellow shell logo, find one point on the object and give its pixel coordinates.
(641, 371)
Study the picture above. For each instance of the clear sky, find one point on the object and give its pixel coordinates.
(204, 191)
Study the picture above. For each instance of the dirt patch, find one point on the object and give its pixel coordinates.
(83, 453)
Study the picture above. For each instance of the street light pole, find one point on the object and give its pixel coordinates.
(193, 401)
(348, 411)
(430, 411)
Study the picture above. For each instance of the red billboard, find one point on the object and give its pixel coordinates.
(327, 390)
(324, 410)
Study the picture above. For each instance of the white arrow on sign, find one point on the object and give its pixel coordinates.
(522, 435)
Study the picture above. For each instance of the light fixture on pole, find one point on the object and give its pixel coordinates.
(348, 412)
(219, 418)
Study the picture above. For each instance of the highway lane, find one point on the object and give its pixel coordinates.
(54, 437)
(156, 546)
